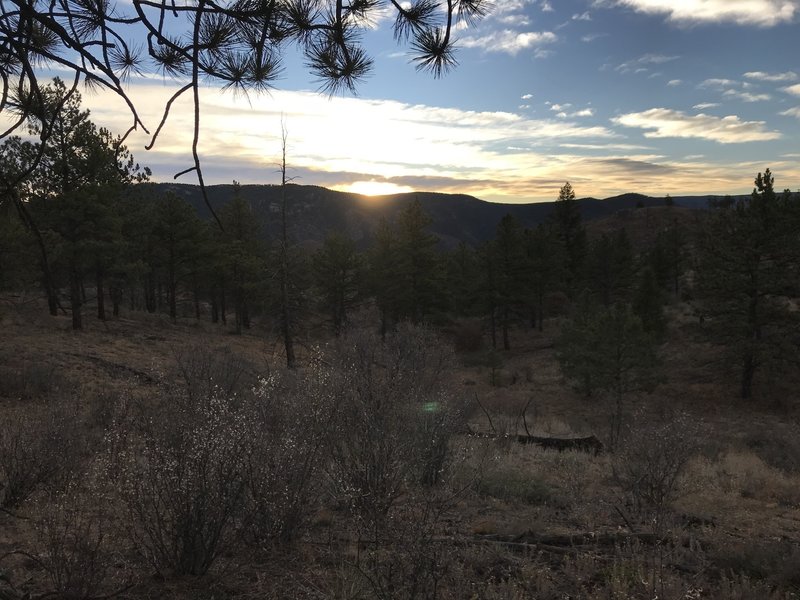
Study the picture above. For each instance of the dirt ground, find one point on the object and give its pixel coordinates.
(534, 523)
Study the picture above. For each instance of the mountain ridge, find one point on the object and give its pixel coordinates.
(314, 211)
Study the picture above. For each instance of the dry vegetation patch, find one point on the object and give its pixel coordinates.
(142, 447)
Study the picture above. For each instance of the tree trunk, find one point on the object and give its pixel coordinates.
(286, 323)
(748, 372)
(75, 299)
(541, 311)
(506, 342)
(116, 300)
(493, 327)
(101, 294)
(214, 307)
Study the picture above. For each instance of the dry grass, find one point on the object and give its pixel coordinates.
(734, 529)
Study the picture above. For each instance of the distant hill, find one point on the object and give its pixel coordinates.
(314, 211)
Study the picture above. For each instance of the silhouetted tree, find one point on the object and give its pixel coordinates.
(610, 267)
(608, 350)
(568, 224)
(748, 268)
(545, 269)
(338, 270)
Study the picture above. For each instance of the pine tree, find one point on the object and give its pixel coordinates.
(568, 224)
(338, 271)
(749, 259)
(608, 350)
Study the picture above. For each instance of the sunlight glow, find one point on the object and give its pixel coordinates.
(375, 188)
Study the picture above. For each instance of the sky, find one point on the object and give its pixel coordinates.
(680, 97)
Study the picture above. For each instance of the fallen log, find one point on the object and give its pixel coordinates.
(588, 444)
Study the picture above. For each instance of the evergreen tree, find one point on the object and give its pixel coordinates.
(337, 274)
(748, 266)
(545, 266)
(242, 257)
(510, 265)
(177, 233)
(383, 277)
(608, 350)
(418, 266)
(610, 267)
(648, 303)
(462, 275)
(568, 224)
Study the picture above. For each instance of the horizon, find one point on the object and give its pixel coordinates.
(610, 95)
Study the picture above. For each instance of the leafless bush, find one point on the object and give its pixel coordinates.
(182, 479)
(289, 415)
(651, 459)
(411, 561)
(394, 420)
(30, 381)
(208, 371)
(38, 446)
(71, 545)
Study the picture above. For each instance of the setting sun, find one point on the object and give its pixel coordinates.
(376, 188)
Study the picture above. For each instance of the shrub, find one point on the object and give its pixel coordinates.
(289, 416)
(650, 460)
(71, 545)
(182, 480)
(38, 446)
(394, 418)
(513, 485)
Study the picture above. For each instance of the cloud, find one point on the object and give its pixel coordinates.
(372, 138)
(638, 65)
(676, 124)
(791, 112)
(605, 147)
(586, 112)
(793, 89)
(559, 107)
(526, 96)
(546, 7)
(674, 82)
(746, 96)
(705, 105)
(503, 7)
(760, 13)
(509, 41)
(336, 142)
(717, 83)
(519, 20)
(592, 37)
(585, 16)
(772, 77)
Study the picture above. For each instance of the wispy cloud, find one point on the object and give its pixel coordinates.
(760, 13)
(592, 37)
(509, 41)
(793, 89)
(514, 19)
(526, 96)
(584, 16)
(772, 77)
(546, 7)
(746, 96)
(666, 123)
(791, 112)
(705, 105)
(335, 136)
(642, 64)
(716, 83)
(674, 82)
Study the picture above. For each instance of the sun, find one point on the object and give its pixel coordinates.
(377, 188)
